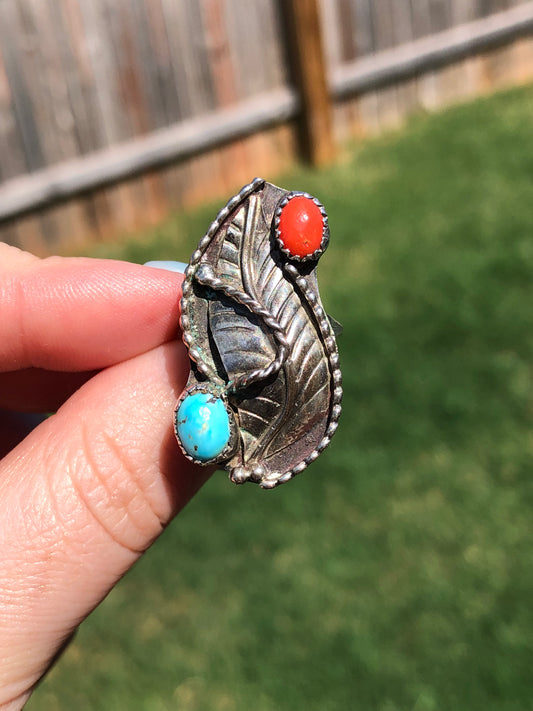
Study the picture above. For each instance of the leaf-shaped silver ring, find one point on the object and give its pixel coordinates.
(264, 393)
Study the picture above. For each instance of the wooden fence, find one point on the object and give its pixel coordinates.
(114, 112)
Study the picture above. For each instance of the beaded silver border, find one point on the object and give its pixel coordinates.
(325, 227)
(330, 345)
(186, 287)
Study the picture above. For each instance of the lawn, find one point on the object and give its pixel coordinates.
(397, 572)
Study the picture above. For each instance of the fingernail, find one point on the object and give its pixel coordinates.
(169, 265)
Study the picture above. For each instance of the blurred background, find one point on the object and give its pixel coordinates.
(397, 572)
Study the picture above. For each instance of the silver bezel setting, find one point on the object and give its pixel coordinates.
(218, 392)
(325, 228)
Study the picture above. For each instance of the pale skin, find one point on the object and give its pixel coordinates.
(86, 492)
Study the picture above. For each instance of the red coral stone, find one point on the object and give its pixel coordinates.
(300, 226)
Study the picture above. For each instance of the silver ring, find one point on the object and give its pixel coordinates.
(264, 393)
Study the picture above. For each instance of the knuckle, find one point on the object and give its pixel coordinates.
(110, 490)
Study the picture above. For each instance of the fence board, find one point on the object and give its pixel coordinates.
(14, 58)
(137, 98)
(384, 33)
(421, 13)
(162, 76)
(463, 11)
(368, 107)
(159, 63)
(223, 76)
(47, 17)
(440, 15)
(102, 74)
(352, 42)
(402, 21)
(76, 46)
(406, 91)
(365, 42)
(274, 53)
(253, 34)
(12, 161)
(382, 21)
(104, 79)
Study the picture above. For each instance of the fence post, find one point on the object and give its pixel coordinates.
(306, 50)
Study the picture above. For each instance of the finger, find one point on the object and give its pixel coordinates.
(38, 390)
(82, 497)
(84, 314)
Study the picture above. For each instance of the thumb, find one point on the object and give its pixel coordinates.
(83, 496)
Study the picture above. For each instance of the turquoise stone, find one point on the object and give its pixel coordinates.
(202, 424)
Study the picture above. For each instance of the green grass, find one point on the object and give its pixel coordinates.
(397, 572)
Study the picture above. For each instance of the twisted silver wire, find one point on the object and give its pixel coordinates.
(205, 276)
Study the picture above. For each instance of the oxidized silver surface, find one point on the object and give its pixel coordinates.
(259, 337)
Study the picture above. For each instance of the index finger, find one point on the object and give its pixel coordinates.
(76, 314)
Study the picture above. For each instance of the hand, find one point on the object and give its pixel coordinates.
(84, 493)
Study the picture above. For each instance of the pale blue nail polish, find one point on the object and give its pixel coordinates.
(169, 265)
